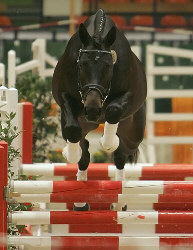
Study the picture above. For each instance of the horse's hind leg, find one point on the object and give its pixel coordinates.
(83, 163)
(82, 172)
(120, 159)
(131, 133)
(136, 134)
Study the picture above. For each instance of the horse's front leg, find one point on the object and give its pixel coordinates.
(71, 130)
(113, 113)
(110, 141)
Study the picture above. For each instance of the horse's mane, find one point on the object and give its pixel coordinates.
(100, 20)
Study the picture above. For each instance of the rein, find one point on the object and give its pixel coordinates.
(84, 90)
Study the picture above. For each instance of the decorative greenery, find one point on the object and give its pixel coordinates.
(56, 156)
(33, 89)
(101, 157)
(8, 133)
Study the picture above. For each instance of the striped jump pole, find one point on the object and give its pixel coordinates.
(130, 230)
(105, 187)
(104, 243)
(103, 201)
(62, 197)
(138, 171)
(101, 217)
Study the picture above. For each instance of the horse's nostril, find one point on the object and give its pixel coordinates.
(92, 114)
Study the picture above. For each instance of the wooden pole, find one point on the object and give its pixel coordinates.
(72, 24)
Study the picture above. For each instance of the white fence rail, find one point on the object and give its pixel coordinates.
(37, 64)
(152, 71)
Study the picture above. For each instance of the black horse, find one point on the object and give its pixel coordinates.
(99, 79)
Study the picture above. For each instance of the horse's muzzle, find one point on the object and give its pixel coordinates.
(92, 113)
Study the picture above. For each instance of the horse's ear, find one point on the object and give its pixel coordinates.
(83, 34)
(110, 37)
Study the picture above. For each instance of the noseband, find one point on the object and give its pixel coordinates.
(84, 90)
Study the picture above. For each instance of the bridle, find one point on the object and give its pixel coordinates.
(85, 89)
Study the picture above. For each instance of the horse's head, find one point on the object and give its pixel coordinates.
(95, 69)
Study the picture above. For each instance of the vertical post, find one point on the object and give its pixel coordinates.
(3, 203)
(2, 74)
(72, 24)
(150, 105)
(12, 106)
(11, 69)
(27, 109)
(39, 54)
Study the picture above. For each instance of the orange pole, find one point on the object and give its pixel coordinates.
(72, 25)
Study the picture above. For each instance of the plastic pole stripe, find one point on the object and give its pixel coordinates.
(69, 170)
(134, 230)
(108, 198)
(27, 133)
(122, 27)
(158, 171)
(108, 187)
(32, 187)
(94, 170)
(127, 229)
(45, 169)
(67, 186)
(37, 25)
(96, 241)
(102, 217)
(177, 171)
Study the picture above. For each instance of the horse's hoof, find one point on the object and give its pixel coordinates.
(86, 207)
(109, 148)
(74, 158)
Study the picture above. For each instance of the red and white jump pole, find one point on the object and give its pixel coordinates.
(101, 217)
(107, 171)
(103, 201)
(105, 243)
(103, 187)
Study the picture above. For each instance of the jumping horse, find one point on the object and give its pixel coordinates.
(98, 80)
